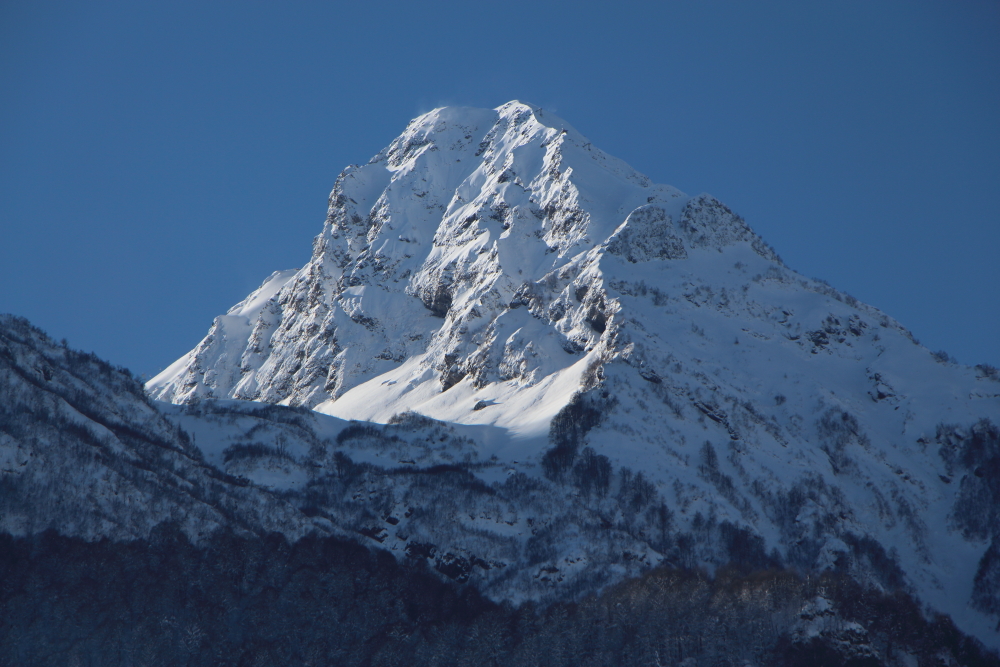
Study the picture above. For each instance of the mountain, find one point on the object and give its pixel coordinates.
(529, 374)
(252, 536)
(640, 348)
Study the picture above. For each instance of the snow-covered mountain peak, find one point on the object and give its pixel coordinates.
(461, 218)
(642, 351)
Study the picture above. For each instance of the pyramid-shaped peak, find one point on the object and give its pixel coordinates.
(523, 115)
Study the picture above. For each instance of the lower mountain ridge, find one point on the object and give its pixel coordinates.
(238, 533)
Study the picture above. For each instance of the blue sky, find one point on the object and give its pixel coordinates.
(158, 161)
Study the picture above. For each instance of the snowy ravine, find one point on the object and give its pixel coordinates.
(634, 355)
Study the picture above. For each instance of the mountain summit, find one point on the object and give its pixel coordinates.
(640, 351)
(430, 251)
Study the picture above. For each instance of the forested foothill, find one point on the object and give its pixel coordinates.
(244, 600)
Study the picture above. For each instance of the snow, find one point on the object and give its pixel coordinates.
(234, 329)
(523, 412)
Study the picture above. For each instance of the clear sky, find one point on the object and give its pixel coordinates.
(159, 160)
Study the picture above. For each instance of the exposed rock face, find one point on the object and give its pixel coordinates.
(648, 233)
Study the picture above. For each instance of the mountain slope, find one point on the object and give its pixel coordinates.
(84, 452)
(641, 349)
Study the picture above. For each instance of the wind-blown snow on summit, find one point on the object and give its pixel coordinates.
(643, 347)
